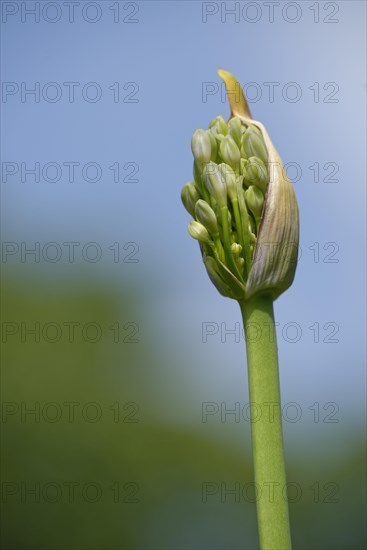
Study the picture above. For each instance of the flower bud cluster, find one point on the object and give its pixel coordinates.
(226, 197)
(238, 211)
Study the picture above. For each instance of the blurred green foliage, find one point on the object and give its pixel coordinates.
(106, 474)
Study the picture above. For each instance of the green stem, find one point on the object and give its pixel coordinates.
(218, 246)
(242, 237)
(227, 243)
(266, 425)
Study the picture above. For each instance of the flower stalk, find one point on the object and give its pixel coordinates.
(246, 222)
(266, 423)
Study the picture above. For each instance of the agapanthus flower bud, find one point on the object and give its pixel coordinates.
(230, 178)
(243, 208)
(253, 144)
(230, 152)
(256, 174)
(213, 145)
(205, 215)
(235, 129)
(255, 202)
(198, 232)
(201, 146)
(189, 197)
(219, 126)
(242, 151)
(215, 183)
(243, 164)
(236, 249)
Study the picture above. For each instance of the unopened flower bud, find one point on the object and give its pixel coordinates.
(189, 197)
(198, 232)
(238, 194)
(230, 178)
(236, 249)
(253, 144)
(256, 174)
(215, 183)
(219, 126)
(240, 262)
(205, 215)
(201, 147)
(230, 152)
(235, 129)
(255, 202)
(243, 164)
(242, 151)
(213, 145)
(218, 138)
